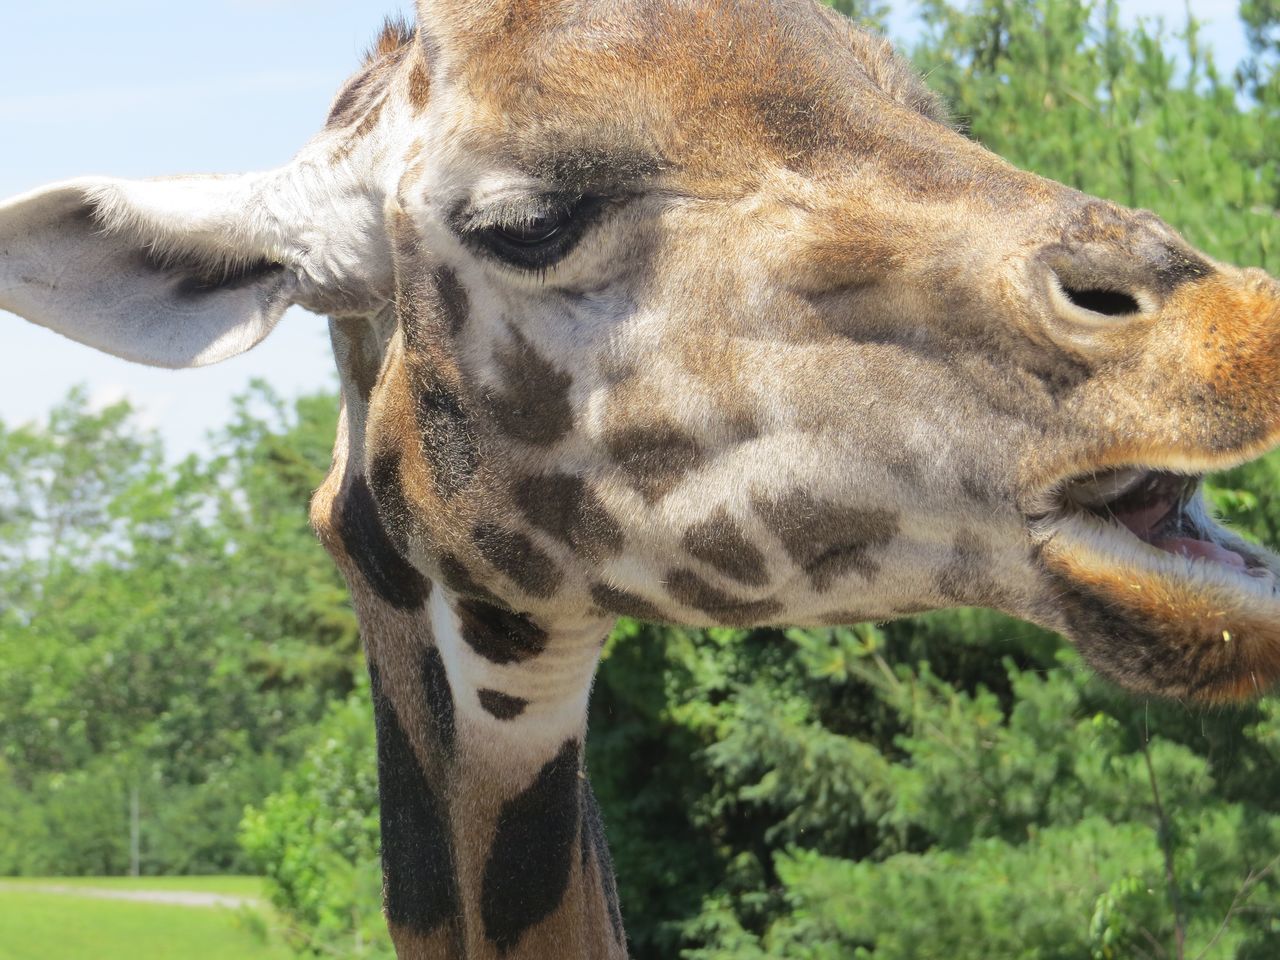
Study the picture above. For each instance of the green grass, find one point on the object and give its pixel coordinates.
(227, 886)
(45, 926)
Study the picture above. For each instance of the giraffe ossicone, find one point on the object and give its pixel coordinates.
(700, 312)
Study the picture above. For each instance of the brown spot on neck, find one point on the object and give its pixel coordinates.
(499, 635)
(654, 457)
(612, 600)
(515, 555)
(691, 590)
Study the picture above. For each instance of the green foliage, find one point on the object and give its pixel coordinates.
(316, 839)
(139, 650)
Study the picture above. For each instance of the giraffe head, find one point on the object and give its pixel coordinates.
(702, 312)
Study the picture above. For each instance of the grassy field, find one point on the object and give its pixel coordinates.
(36, 924)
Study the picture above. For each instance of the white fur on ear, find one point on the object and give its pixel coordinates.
(187, 271)
(114, 278)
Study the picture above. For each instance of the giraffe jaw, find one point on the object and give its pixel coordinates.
(1155, 593)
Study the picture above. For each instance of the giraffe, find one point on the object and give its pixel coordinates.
(701, 312)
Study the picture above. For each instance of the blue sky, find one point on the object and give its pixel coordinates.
(134, 88)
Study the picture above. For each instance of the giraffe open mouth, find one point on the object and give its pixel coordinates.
(1161, 509)
(1145, 513)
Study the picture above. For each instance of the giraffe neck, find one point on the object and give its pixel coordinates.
(492, 843)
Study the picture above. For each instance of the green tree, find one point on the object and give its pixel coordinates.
(139, 651)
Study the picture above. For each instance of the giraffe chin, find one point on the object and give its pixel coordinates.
(1165, 602)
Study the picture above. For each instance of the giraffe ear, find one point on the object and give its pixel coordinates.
(179, 272)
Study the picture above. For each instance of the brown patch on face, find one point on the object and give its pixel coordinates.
(452, 305)
(720, 542)
(449, 445)
(515, 555)
(976, 490)
(411, 266)
(612, 600)
(692, 591)
(353, 100)
(906, 466)
(797, 129)
(969, 576)
(532, 405)
(365, 127)
(726, 373)
(851, 244)
(498, 634)
(742, 426)
(828, 540)
(419, 84)
(567, 508)
(386, 481)
(432, 304)
(654, 457)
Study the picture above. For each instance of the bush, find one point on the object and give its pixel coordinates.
(316, 839)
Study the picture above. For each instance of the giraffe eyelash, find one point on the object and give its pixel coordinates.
(529, 234)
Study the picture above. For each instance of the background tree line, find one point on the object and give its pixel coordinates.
(954, 786)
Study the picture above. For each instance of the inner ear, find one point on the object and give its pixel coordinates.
(168, 273)
(197, 276)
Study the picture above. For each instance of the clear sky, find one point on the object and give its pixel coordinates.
(134, 88)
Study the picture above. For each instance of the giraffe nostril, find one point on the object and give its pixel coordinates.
(1091, 297)
(1109, 303)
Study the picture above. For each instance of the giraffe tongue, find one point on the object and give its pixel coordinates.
(1186, 547)
(1143, 521)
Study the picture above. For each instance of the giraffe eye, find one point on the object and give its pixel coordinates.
(538, 236)
(537, 230)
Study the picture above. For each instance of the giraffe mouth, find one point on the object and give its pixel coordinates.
(1164, 511)
(1156, 518)
(1154, 591)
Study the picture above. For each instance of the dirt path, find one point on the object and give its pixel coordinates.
(177, 898)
